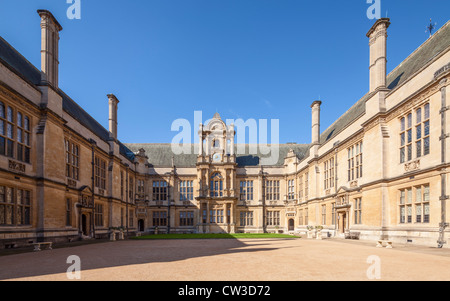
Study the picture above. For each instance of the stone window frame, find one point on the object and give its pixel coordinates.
(291, 189)
(246, 218)
(72, 151)
(272, 190)
(186, 218)
(273, 218)
(100, 172)
(246, 190)
(411, 204)
(19, 204)
(186, 190)
(15, 133)
(357, 211)
(355, 161)
(98, 215)
(328, 179)
(160, 190)
(159, 218)
(216, 187)
(415, 133)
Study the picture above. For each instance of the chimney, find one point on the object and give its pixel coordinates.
(377, 41)
(50, 29)
(315, 135)
(113, 102)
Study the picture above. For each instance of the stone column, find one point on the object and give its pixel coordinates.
(113, 102)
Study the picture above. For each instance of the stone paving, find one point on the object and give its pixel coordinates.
(232, 260)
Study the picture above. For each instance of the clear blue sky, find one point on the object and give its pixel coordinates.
(260, 59)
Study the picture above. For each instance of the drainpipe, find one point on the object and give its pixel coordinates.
(443, 138)
(92, 227)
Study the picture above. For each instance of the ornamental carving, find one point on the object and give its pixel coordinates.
(411, 166)
(16, 166)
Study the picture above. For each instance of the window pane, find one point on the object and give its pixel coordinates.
(426, 146)
(409, 120)
(426, 128)
(2, 110)
(419, 116)
(427, 111)
(402, 124)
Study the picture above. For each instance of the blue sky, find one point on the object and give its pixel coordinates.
(258, 59)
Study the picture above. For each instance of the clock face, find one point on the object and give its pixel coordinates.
(216, 157)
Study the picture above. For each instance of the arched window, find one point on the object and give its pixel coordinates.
(216, 185)
(216, 143)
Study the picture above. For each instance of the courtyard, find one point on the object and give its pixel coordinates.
(267, 259)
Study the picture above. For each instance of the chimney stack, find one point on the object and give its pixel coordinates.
(113, 102)
(377, 41)
(315, 135)
(50, 29)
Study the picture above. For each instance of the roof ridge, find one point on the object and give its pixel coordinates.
(427, 41)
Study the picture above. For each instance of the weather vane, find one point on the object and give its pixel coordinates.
(431, 27)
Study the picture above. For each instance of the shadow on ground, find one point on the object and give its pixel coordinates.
(120, 253)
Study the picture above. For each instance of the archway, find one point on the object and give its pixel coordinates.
(291, 225)
(141, 225)
(84, 225)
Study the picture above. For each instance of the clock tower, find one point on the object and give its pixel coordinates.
(216, 170)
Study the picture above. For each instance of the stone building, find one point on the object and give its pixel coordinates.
(381, 169)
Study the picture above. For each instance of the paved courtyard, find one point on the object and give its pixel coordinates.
(231, 260)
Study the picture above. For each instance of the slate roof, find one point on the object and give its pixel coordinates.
(438, 42)
(10, 57)
(160, 154)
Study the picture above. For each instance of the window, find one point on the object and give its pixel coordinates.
(246, 190)
(324, 214)
(121, 185)
(131, 218)
(355, 161)
(328, 181)
(216, 216)
(141, 189)
(357, 211)
(300, 217)
(131, 189)
(273, 218)
(333, 213)
(422, 204)
(272, 190)
(68, 213)
(159, 190)
(291, 189)
(186, 190)
(159, 218)
(15, 134)
(306, 216)
(300, 188)
(98, 216)
(306, 185)
(246, 218)
(204, 213)
(420, 135)
(406, 206)
(186, 218)
(10, 199)
(72, 160)
(100, 173)
(216, 188)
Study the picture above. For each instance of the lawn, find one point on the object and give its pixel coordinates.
(215, 236)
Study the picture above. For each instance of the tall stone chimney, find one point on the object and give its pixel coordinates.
(377, 41)
(113, 102)
(50, 29)
(315, 134)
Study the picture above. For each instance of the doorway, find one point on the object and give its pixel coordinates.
(291, 225)
(141, 225)
(84, 225)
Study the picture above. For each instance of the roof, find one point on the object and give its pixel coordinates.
(435, 45)
(10, 57)
(160, 154)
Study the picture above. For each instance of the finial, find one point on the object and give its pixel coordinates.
(431, 27)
